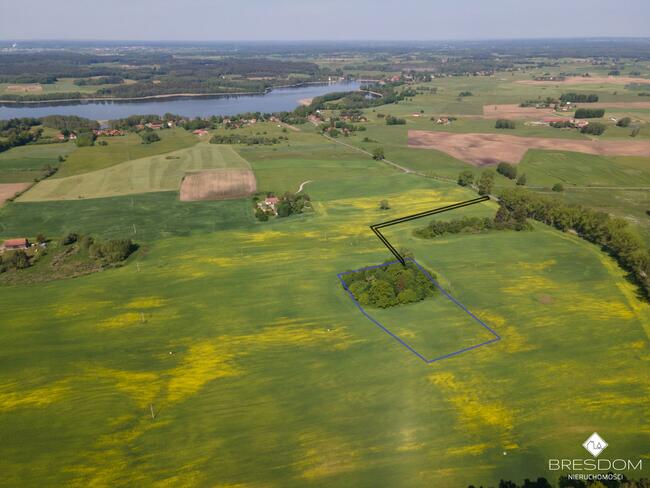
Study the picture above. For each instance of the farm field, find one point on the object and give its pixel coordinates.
(63, 85)
(482, 149)
(228, 289)
(23, 164)
(149, 174)
(121, 149)
(225, 352)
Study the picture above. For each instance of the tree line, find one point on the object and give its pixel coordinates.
(579, 97)
(504, 219)
(614, 235)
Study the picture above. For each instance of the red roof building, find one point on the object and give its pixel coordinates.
(21, 243)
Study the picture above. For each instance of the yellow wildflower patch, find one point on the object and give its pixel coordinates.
(203, 363)
(12, 395)
(473, 409)
(126, 319)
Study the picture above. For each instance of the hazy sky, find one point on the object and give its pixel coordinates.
(321, 19)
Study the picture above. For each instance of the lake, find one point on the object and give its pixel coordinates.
(277, 100)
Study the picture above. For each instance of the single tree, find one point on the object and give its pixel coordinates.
(466, 178)
(378, 153)
(486, 182)
(384, 205)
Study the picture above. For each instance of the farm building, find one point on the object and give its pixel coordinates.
(12, 244)
(269, 204)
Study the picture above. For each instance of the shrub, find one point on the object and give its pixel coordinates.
(465, 94)
(16, 259)
(113, 251)
(521, 181)
(466, 178)
(378, 153)
(384, 205)
(504, 124)
(70, 238)
(558, 187)
(261, 215)
(624, 122)
(85, 139)
(391, 120)
(149, 137)
(507, 170)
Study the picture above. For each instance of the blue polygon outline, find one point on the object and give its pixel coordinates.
(497, 337)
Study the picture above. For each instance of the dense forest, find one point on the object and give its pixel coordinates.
(150, 73)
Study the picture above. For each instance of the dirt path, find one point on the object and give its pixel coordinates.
(389, 162)
(302, 185)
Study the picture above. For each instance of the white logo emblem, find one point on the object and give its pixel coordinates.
(595, 444)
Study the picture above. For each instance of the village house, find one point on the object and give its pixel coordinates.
(443, 121)
(108, 132)
(72, 136)
(151, 125)
(13, 244)
(269, 204)
(200, 132)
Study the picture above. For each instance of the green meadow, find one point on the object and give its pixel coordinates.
(124, 148)
(150, 174)
(225, 352)
(23, 164)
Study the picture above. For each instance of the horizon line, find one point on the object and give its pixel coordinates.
(328, 41)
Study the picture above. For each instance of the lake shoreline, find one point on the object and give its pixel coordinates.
(72, 101)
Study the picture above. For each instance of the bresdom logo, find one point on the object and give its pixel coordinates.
(595, 444)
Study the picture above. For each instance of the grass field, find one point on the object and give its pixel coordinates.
(62, 85)
(121, 149)
(23, 164)
(149, 174)
(226, 352)
(218, 303)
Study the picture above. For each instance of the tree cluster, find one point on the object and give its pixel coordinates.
(149, 137)
(614, 235)
(389, 285)
(507, 170)
(589, 113)
(579, 97)
(504, 219)
(504, 124)
(17, 132)
(594, 128)
(69, 122)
